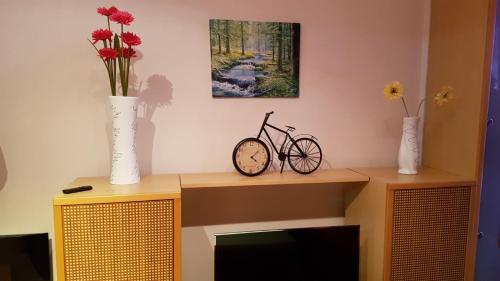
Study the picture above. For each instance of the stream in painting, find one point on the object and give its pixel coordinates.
(240, 80)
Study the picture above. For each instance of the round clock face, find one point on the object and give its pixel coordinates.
(251, 157)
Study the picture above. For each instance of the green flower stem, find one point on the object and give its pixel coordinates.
(128, 65)
(114, 74)
(108, 68)
(420, 105)
(112, 67)
(112, 79)
(406, 108)
(120, 62)
(120, 67)
(110, 75)
(123, 70)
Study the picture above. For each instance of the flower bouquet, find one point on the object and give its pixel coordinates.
(116, 50)
(408, 149)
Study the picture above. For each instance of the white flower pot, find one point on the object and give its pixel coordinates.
(408, 150)
(124, 167)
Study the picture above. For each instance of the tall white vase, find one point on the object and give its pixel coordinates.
(408, 149)
(124, 167)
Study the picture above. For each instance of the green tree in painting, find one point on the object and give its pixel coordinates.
(252, 59)
(280, 47)
(227, 36)
(243, 34)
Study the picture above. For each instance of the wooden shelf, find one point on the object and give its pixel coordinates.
(207, 180)
(155, 187)
(426, 176)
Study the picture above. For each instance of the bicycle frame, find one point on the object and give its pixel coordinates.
(287, 136)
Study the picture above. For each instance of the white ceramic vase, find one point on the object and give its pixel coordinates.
(408, 149)
(124, 167)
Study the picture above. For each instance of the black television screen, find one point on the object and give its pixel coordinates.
(308, 254)
(25, 257)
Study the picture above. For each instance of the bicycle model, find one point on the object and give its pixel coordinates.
(251, 156)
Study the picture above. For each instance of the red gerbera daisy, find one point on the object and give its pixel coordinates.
(108, 53)
(122, 17)
(128, 53)
(107, 12)
(101, 34)
(131, 39)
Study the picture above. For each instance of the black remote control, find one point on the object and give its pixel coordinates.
(77, 189)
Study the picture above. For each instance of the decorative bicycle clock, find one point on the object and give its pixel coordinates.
(252, 156)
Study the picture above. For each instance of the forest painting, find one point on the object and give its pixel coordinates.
(254, 59)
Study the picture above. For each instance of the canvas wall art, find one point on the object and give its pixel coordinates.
(254, 59)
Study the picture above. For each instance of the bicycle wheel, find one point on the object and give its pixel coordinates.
(304, 156)
(251, 157)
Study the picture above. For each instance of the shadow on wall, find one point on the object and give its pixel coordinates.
(3, 170)
(157, 93)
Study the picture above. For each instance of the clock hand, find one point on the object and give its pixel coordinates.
(254, 155)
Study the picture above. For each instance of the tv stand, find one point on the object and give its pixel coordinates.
(114, 230)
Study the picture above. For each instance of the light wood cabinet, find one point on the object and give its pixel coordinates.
(412, 227)
(114, 232)
(417, 227)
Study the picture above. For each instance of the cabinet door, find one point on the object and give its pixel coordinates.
(428, 232)
(118, 241)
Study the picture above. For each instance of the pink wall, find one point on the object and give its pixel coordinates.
(53, 90)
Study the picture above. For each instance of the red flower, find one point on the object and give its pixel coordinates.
(128, 53)
(107, 12)
(131, 39)
(108, 53)
(122, 17)
(101, 34)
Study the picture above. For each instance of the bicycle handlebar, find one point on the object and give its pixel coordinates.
(265, 119)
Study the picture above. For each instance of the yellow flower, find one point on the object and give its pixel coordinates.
(393, 90)
(444, 96)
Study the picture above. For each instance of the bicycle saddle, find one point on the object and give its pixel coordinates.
(290, 128)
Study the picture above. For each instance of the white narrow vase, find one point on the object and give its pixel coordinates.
(408, 149)
(124, 167)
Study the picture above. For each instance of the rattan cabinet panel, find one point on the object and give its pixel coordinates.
(414, 227)
(119, 233)
(119, 241)
(429, 234)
